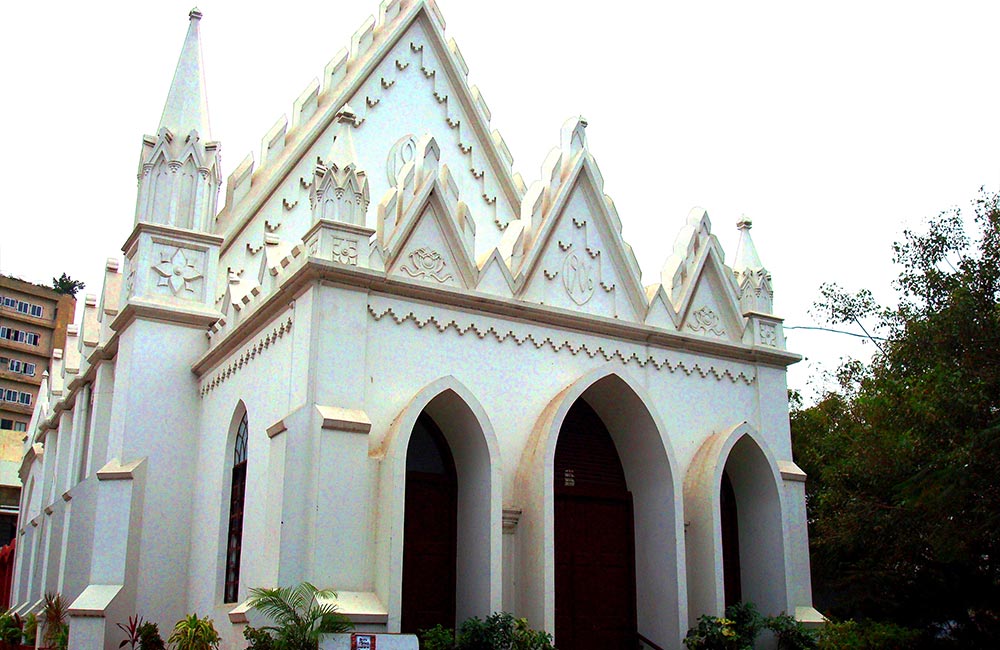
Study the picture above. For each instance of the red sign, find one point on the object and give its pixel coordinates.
(362, 641)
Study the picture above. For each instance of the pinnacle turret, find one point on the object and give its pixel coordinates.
(186, 108)
(756, 294)
(340, 189)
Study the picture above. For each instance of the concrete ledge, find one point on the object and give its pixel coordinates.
(276, 429)
(94, 601)
(115, 471)
(791, 472)
(238, 614)
(810, 618)
(381, 641)
(341, 419)
(360, 607)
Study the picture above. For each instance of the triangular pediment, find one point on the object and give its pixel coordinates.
(711, 307)
(403, 79)
(428, 245)
(494, 276)
(577, 259)
(661, 312)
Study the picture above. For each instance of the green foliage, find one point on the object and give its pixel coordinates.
(193, 633)
(903, 501)
(500, 631)
(10, 629)
(298, 615)
(30, 629)
(67, 285)
(741, 626)
(149, 637)
(437, 638)
(259, 639)
(867, 635)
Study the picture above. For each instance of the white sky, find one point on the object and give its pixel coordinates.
(831, 125)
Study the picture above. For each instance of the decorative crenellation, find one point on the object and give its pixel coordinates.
(558, 345)
(679, 271)
(246, 356)
(314, 102)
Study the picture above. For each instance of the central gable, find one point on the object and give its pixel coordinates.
(408, 83)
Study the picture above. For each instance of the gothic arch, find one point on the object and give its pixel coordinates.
(225, 497)
(651, 474)
(742, 454)
(476, 452)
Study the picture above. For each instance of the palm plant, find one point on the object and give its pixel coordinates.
(193, 633)
(298, 615)
(56, 625)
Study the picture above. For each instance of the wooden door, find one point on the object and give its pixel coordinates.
(594, 539)
(429, 531)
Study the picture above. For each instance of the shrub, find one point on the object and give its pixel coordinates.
(867, 635)
(437, 638)
(54, 613)
(193, 633)
(298, 614)
(500, 631)
(791, 634)
(149, 637)
(259, 639)
(10, 630)
(740, 628)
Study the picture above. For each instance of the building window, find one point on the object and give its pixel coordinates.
(20, 426)
(20, 336)
(10, 395)
(234, 544)
(25, 398)
(6, 424)
(36, 311)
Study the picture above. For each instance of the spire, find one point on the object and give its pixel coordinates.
(342, 152)
(746, 254)
(756, 294)
(187, 103)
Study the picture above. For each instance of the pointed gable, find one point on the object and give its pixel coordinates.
(701, 288)
(404, 79)
(567, 249)
(424, 229)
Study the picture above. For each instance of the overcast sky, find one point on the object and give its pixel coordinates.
(832, 125)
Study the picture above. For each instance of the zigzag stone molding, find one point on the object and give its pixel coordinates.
(247, 355)
(659, 363)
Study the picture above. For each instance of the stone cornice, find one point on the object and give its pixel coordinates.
(317, 270)
(177, 314)
(170, 231)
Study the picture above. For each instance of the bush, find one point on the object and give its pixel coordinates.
(740, 627)
(501, 631)
(867, 635)
(149, 637)
(259, 639)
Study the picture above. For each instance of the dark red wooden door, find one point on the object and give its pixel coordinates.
(429, 531)
(594, 539)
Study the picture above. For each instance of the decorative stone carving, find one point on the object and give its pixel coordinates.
(578, 277)
(404, 151)
(769, 334)
(707, 321)
(176, 271)
(426, 263)
(345, 251)
(339, 190)
(510, 518)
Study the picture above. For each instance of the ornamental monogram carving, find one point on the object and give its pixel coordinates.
(404, 151)
(578, 278)
(706, 320)
(426, 263)
(176, 271)
(769, 335)
(345, 251)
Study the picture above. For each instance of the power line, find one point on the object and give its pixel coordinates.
(829, 329)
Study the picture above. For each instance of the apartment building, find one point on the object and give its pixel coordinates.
(33, 321)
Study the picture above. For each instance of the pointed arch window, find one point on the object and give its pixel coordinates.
(234, 545)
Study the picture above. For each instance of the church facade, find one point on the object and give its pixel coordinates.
(391, 368)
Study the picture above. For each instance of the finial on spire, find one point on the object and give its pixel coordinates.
(186, 108)
(745, 223)
(746, 258)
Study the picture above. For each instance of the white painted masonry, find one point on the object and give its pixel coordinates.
(332, 324)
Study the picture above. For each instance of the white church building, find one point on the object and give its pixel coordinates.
(390, 367)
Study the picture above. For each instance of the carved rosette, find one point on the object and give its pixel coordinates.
(426, 263)
(705, 320)
(345, 251)
(179, 271)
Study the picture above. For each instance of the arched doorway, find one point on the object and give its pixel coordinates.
(429, 530)
(595, 594)
(733, 589)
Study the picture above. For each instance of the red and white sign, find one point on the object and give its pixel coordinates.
(362, 641)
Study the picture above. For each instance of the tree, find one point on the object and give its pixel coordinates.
(903, 458)
(67, 285)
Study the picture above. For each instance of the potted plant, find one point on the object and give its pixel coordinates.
(55, 615)
(193, 633)
(298, 615)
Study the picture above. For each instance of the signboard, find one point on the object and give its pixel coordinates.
(362, 641)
